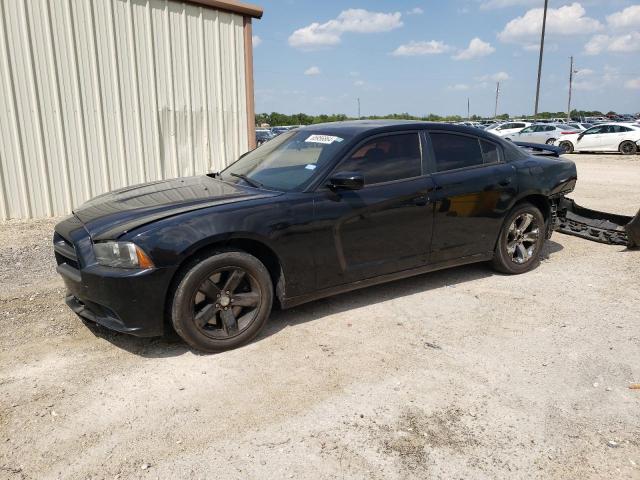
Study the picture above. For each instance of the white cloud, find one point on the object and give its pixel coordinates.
(477, 48)
(317, 35)
(626, 43)
(589, 80)
(584, 72)
(496, 77)
(312, 71)
(256, 40)
(460, 87)
(633, 84)
(629, 18)
(566, 20)
(415, 11)
(432, 47)
(359, 83)
(492, 4)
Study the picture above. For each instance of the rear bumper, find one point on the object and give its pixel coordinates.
(599, 226)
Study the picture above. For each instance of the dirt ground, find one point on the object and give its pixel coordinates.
(457, 374)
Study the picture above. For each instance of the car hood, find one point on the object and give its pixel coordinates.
(110, 215)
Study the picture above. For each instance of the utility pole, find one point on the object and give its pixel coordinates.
(495, 115)
(468, 109)
(358, 108)
(544, 27)
(571, 72)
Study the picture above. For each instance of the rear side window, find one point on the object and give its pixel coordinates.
(491, 152)
(455, 151)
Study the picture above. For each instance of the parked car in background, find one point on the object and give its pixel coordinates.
(508, 128)
(541, 133)
(315, 212)
(608, 137)
(580, 126)
(280, 130)
(263, 136)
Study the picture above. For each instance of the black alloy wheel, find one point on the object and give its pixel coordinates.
(628, 148)
(222, 301)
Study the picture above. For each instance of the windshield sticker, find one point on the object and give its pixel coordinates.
(326, 139)
(310, 167)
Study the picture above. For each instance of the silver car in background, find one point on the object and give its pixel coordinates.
(541, 133)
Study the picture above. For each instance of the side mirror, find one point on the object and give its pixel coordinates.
(346, 181)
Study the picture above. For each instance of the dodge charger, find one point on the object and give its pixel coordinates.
(317, 211)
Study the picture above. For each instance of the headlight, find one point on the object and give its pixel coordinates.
(121, 255)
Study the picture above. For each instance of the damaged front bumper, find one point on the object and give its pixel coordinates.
(598, 226)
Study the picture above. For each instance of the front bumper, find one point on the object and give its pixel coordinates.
(125, 300)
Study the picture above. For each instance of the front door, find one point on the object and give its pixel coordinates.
(591, 139)
(383, 228)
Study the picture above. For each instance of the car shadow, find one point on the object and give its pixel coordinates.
(170, 345)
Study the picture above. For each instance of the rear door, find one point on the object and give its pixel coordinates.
(474, 188)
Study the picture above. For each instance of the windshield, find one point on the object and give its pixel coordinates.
(286, 163)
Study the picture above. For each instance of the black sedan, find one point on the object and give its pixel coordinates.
(315, 212)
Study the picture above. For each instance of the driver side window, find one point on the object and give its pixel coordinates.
(386, 158)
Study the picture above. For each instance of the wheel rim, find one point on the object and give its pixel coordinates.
(226, 303)
(627, 148)
(522, 238)
(566, 147)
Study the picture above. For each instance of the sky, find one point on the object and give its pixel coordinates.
(430, 56)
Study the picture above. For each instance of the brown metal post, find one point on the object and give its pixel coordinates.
(248, 69)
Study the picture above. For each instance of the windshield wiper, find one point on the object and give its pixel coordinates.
(253, 183)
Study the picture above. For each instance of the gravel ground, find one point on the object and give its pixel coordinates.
(456, 374)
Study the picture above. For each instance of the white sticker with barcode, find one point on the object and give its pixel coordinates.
(326, 139)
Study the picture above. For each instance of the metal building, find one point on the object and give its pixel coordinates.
(97, 95)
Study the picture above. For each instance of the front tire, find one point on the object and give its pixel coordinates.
(222, 301)
(628, 148)
(520, 241)
(551, 141)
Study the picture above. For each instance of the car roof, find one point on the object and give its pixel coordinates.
(360, 127)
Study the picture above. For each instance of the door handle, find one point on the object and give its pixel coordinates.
(421, 201)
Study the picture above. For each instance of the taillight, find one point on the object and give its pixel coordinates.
(567, 133)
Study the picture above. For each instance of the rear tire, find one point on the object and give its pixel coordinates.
(520, 240)
(628, 148)
(222, 301)
(567, 147)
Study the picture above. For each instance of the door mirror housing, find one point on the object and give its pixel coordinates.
(346, 181)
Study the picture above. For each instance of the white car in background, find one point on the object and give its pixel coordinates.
(541, 133)
(608, 137)
(508, 128)
(580, 126)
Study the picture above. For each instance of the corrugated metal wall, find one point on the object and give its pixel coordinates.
(100, 94)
